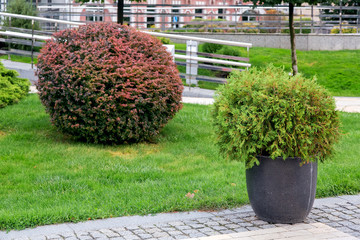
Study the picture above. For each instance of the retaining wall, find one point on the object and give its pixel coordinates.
(303, 42)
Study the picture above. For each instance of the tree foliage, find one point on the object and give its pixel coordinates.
(24, 8)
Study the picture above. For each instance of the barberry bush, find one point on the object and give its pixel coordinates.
(108, 83)
(12, 88)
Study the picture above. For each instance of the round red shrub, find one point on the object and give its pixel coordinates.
(104, 82)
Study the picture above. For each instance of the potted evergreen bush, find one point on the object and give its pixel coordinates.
(280, 126)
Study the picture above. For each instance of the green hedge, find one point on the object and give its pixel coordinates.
(12, 88)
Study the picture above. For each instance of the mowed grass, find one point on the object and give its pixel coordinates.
(337, 71)
(47, 177)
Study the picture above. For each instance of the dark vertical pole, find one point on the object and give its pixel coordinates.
(340, 17)
(120, 13)
(292, 39)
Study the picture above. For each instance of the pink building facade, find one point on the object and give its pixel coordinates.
(163, 13)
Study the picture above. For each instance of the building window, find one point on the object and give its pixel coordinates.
(248, 16)
(94, 14)
(220, 11)
(198, 11)
(175, 18)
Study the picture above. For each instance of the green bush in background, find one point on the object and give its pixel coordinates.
(211, 47)
(12, 88)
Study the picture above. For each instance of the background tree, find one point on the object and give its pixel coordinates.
(21, 7)
(292, 4)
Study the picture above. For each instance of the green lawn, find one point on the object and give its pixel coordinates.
(17, 58)
(47, 177)
(338, 71)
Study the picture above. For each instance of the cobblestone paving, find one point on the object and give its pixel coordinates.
(343, 216)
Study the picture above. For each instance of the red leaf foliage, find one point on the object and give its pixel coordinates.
(104, 82)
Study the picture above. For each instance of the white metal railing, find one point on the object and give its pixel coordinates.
(191, 57)
(216, 41)
(41, 19)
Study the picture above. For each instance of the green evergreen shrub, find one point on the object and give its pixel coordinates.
(230, 51)
(12, 88)
(108, 83)
(211, 47)
(267, 112)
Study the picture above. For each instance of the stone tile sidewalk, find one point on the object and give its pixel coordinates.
(340, 213)
(313, 231)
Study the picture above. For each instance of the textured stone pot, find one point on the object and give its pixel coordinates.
(282, 191)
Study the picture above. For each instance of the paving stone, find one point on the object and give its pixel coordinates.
(244, 224)
(166, 229)
(72, 238)
(109, 233)
(67, 234)
(86, 237)
(144, 235)
(97, 234)
(189, 222)
(351, 207)
(132, 228)
(190, 231)
(131, 237)
(181, 237)
(224, 222)
(153, 230)
(54, 236)
(118, 229)
(266, 226)
(175, 233)
(162, 225)
(166, 238)
(197, 235)
(38, 238)
(237, 220)
(218, 228)
(323, 220)
(203, 220)
(160, 234)
(253, 228)
(183, 227)
(212, 223)
(333, 224)
(205, 229)
(345, 229)
(178, 223)
(213, 233)
(232, 226)
(227, 231)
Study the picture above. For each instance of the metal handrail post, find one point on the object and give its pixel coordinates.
(312, 18)
(32, 44)
(9, 41)
(300, 21)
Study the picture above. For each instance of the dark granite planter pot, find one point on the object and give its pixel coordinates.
(282, 191)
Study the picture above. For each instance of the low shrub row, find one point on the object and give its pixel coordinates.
(12, 88)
